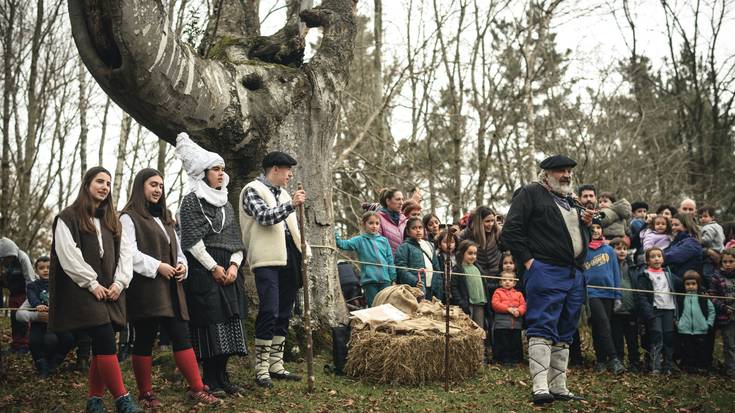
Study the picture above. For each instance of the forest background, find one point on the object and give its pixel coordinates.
(459, 98)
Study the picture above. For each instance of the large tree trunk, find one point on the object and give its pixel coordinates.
(249, 95)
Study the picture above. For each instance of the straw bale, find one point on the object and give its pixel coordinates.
(412, 351)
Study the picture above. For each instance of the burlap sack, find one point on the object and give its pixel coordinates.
(402, 297)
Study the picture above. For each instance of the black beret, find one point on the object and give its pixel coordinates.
(278, 158)
(638, 205)
(557, 162)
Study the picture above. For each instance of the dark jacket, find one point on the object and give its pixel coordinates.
(460, 294)
(409, 254)
(535, 228)
(155, 297)
(684, 254)
(73, 307)
(723, 285)
(37, 292)
(629, 280)
(644, 301)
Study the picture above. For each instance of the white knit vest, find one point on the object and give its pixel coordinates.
(266, 244)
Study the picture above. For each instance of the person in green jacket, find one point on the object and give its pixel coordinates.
(696, 319)
(419, 255)
(370, 246)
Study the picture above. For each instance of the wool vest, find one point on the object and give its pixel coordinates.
(72, 307)
(155, 297)
(266, 244)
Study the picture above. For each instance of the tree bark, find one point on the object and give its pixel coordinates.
(83, 130)
(236, 106)
(8, 91)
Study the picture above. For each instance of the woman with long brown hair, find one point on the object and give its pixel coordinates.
(91, 266)
(156, 298)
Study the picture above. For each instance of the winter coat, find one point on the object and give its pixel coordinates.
(636, 226)
(651, 238)
(713, 236)
(684, 254)
(460, 293)
(697, 315)
(488, 258)
(391, 231)
(37, 293)
(628, 279)
(723, 285)
(601, 268)
(19, 272)
(371, 248)
(409, 254)
(502, 300)
(644, 301)
(614, 224)
(535, 228)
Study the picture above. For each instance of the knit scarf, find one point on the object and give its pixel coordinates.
(597, 243)
(394, 216)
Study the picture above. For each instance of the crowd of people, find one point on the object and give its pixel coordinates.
(640, 274)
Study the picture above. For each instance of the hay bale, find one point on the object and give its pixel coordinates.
(412, 351)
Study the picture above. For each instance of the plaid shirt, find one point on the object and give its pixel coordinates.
(256, 207)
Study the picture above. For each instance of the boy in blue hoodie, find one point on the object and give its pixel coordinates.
(48, 348)
(696, 319)
(601, 268)
(371, 247)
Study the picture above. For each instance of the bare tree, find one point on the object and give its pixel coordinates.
(241, 95)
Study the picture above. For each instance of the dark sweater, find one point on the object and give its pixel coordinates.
(37, 292)
(535, 228)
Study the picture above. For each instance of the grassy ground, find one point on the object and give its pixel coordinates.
(493, 389)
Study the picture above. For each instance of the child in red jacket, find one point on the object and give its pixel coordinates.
(509, 307)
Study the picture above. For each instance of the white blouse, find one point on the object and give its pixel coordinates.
(199, 251)
(144, 264)
(72, 260)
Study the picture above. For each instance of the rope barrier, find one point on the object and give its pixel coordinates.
(493, 277)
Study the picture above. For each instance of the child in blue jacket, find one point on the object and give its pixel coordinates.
(371, 247)
(419, 255)
(601, 268)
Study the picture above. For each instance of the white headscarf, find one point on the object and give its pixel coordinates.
(196, 160)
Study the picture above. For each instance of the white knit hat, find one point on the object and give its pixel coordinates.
(196, 160)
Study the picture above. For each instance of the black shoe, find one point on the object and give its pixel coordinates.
(230, 387)
(616, 367)
(95, 405)
(567, 397)
(264, 381)
(542, 398)
(285, 376)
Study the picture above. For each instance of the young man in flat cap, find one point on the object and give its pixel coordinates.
(272, 240)
(549, 235)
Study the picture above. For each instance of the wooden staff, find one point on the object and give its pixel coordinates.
(306, 318)
(447, 298)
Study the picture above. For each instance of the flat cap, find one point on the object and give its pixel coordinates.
(557, 162)
(278, 158)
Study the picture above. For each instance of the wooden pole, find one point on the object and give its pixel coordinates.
(306, 318)
(447, 298)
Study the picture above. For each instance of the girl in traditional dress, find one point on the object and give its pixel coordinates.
(156, 295)
(91, 265)
(215, 292)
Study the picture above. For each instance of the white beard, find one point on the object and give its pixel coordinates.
(558, 187)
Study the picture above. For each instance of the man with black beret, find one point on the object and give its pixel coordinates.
(548, 233)
(272, 241)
